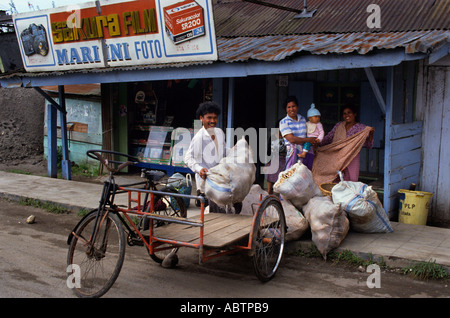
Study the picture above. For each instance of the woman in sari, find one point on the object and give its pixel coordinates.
(345, 129)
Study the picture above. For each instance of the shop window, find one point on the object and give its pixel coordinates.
(332, 99)
(161, 117)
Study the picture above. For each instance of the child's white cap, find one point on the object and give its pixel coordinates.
(313, 111)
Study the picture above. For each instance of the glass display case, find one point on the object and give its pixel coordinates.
(156, 148)
(162, 145)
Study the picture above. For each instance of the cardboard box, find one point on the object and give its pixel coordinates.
(184, 21)
(78, 127)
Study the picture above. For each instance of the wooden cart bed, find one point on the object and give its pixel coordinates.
(219, 230)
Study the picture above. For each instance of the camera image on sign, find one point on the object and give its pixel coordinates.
(34, 40)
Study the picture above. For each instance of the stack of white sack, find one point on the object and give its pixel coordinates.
(297, 185)
(329, 224)
(296, 223)
(364, 209)
(230, 181)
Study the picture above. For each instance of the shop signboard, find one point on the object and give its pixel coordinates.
(115, 33)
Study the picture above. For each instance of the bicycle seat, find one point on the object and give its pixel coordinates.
(152, 175)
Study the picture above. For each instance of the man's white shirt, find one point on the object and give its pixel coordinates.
(204, 152)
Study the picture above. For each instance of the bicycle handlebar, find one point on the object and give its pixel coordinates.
(97, 155)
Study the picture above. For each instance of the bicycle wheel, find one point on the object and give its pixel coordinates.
(269, 232)
(96, 265)
(167, 206)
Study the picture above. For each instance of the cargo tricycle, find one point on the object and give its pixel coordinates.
(156, 217)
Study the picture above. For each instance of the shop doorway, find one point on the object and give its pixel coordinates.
(250, 110)
(154, 111)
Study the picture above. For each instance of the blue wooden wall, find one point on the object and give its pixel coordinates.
(81, 111)
(405, 149)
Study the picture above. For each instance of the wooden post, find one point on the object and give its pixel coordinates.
(51, 141)
(230, 113)
(65, 163)
(387, 147)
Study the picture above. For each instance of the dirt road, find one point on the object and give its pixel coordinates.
(33, 264)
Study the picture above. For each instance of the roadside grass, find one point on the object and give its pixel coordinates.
(83, 212)
(18, 171)
(47, 206)
(345, 257)
(426, 270)
(83, 170)
(419, 270)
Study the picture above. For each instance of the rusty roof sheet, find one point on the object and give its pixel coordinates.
(235, 18)
(77, 89)
(278, 47)
(246, 31)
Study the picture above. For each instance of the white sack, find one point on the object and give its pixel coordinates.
(364, 209)
(329, 224)
(297, 185)
(254, 197)
(296, 223)
(230, 181)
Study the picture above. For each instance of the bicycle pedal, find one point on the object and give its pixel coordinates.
(132, 241)
(138, 242)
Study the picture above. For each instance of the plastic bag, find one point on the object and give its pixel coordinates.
(364, 209)
(182, 185)
(176, 180)
(328, 222)
(297, 185)
(230, 181)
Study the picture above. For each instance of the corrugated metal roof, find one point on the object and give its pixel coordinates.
(235, 18)
(247, 31)
(278, 47)
(252, 31)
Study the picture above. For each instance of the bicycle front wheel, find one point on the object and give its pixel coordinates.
(269, 232)
(95, 264)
